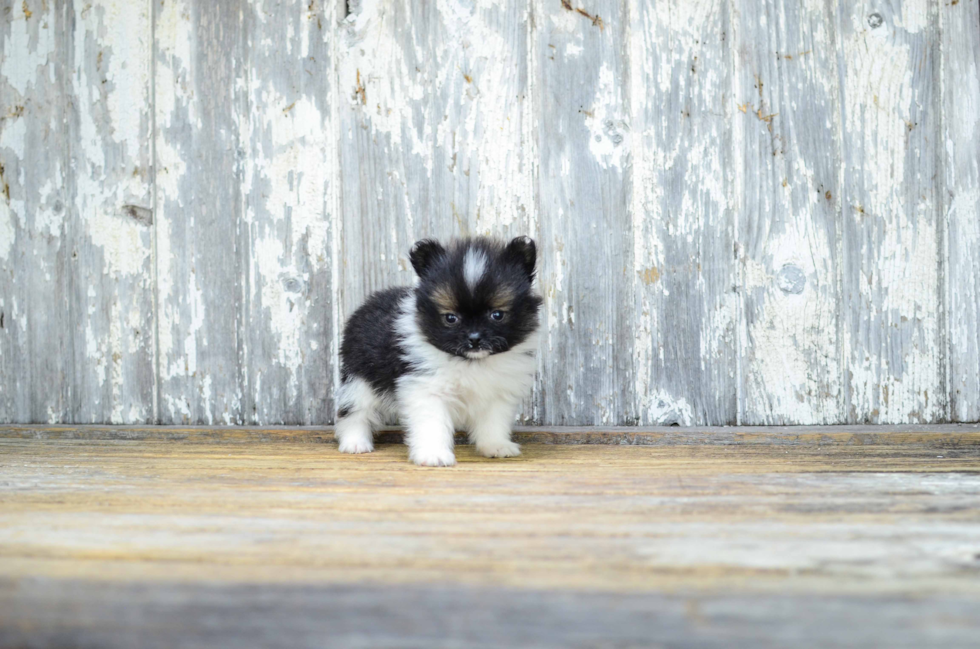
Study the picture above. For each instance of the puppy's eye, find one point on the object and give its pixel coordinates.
(451, 318)
(496, 315)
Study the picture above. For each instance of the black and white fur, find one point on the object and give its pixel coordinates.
(454, 352)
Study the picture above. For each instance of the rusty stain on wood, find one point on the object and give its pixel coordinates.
(596, 20)
(359, 90)
(650, 275)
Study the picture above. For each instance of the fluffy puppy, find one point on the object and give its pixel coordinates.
(454, 352)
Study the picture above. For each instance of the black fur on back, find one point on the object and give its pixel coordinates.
(370, 346)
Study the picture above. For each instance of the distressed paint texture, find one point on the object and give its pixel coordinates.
(110, 235)
(959, 144)
(893, 345)
(684, 269)
(201, 253)
(432, 139)
(36, 259)
(583, 187)
(761, 212)
(787, 125)
(290, 188)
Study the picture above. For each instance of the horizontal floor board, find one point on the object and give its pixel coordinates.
(43, 613)
(107, 540)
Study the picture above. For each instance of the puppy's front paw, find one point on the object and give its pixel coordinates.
(355, 445)
(433, 457)
(499, 449)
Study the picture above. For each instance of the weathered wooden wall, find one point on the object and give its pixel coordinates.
(748, 212)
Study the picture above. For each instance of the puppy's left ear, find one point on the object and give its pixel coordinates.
(423, 253)
(523, 250)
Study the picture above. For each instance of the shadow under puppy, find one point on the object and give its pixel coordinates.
(454, 352)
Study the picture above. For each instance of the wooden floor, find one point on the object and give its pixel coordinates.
(140, 540)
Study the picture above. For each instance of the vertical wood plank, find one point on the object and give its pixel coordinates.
(684, 271)
(432, 131)
(112, 213)
(788, 125)
(582, 112)
(480, 119)
(290, 186)
(893, 356)
(201, 256)
(961, 201)
(385, 159)
(36, 256)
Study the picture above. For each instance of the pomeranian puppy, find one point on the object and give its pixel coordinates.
(454, 352)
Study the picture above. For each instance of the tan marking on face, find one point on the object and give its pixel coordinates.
(444, 299)
(502, 298)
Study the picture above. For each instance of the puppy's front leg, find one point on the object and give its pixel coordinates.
(491, 429)
(428, 427)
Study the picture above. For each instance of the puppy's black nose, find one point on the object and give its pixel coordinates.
(474, 337)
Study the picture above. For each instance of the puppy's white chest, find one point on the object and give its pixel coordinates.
(470, 388)
(468, 380)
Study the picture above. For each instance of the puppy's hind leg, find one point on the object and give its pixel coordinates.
(357, 416)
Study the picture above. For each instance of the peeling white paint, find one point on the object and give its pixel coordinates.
(787, 124)
(121, 241)
(662, 408)
(893, 365)
(285, 308)
(878, 90)
(173, 91)
(457, 128)
(376, 65)
(915, 15)
(166, 318)
(608, 126)
(24, 48)
(7, 231)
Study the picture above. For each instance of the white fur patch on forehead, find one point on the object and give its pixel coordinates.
(474, 265)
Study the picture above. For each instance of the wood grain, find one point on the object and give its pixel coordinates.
(646, 517)
(583, 189)
(961, 142)
(788, 134)
(433, 103)
(111, 208)
(750, 213)
(54, 614)
(202, 255)
(291, 192)
(894, 357)
(36, 256)
(127, 523)
(684, 270)
(385, 146)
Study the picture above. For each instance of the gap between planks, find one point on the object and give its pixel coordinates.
(940, 435)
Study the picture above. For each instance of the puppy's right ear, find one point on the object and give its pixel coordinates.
(424, 253)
